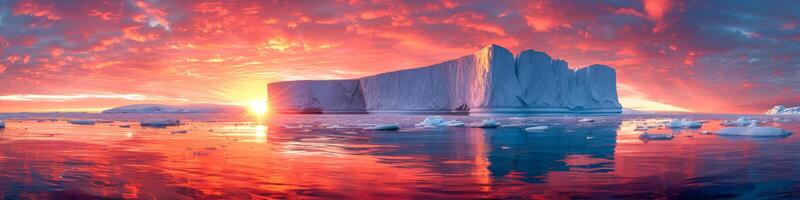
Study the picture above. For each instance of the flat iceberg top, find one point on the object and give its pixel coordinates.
(160, 108)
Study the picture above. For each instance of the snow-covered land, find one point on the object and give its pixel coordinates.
(159, 108)
(491, 80)
(780, 110)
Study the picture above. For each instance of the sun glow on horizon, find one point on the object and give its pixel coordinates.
(259, 108)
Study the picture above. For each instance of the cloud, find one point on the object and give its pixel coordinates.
(704, 56)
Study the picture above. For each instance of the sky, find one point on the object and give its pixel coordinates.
(697, 56)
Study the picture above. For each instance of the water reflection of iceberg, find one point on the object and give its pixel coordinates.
(530, 156)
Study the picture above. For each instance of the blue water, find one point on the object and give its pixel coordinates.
(302, 156)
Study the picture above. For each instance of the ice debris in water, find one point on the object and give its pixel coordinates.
(487, 123)
(586, 120)
(753, 131)
(657, 136)
(740, 122)
(159, 122)
(536, 129)
(683, 123)
(82, 121)
(438, 121)
(2, 124)
(179, 131)
(384, 127)
(705, 132)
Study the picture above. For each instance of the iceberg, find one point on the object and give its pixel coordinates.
(384, 127)
(82, 122)
(160, 108)
(586, 120)
(160, 122)
(753, 131)
(683, 123)
(781, 110)
(491, 80)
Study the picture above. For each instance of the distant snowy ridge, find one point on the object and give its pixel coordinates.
(160, 108)
(491, 80)
(780, 110)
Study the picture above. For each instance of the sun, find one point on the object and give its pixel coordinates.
(258, 108)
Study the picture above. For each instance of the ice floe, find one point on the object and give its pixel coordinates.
(160, 122)
(743, 121)
(438, 121)
(384, 127)
(586, 120)
(753, 131)
(82, 121)
(683, 123)
(536, 129)
(656, 136)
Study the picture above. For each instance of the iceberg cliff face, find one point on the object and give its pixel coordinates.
(490, 80)
(781, 110)
(337, 96)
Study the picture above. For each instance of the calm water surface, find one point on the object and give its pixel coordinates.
(306, 156)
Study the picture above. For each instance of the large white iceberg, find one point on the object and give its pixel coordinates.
(491, 80)
(753, 131)
(781, 110)
(160, 108)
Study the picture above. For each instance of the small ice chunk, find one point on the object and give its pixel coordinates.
(124, 125)
(683, 123)
(431, 121)
(487, 123)
(160, 122)
(753, 131)
(536, 129)
(438, 121)
(657, 136)
(104, 121)
(384, 127)
(82, 121)
(179, 131)
(586, 120)
(2, 124)
(705, 132)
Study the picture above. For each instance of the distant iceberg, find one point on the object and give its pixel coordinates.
(780, 110)
(160, 108)
(491, 80)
